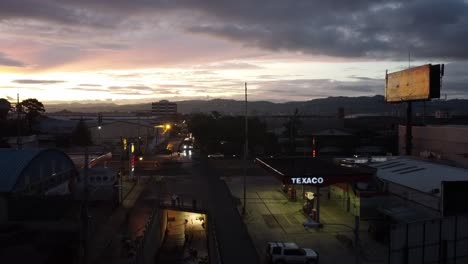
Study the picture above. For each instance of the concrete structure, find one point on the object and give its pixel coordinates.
(445, 143)
(164, 108)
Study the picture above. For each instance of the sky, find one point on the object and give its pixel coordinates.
(148, 50)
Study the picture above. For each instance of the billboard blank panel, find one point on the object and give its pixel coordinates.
(414, 84)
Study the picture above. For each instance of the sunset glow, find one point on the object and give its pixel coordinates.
(145, 51)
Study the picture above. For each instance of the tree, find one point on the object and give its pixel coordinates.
(81, 135)
(5, 107)
(33, 110)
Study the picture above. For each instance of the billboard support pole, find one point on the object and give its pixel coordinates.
(409, 134)
(246, 153)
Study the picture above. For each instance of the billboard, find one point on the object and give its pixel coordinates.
(414, 84)
(454, 198)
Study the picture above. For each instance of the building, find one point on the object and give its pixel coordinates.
(447, 143)
(102, 185)
(164, 108)
(34, 171)
(417, 183)
(417, 216)
(145, 135)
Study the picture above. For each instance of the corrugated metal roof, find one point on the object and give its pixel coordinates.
(12, 163)
(417, 174)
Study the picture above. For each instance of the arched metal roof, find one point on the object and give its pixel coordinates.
(14, 161)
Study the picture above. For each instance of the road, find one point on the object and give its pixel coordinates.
(197, 180)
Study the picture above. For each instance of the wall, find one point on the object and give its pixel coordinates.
(447, 141)
(153, 237)
(422, 199)
(430, 241)
(359, 204)
(3, 210)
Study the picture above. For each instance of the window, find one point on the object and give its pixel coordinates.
(294, 252)
(276, 251)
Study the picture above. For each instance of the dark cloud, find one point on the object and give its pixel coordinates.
(89, 89)
(89, 85)
(131, 87)
(429, 28)
(360, 78)
(171, 86)
(31, 81)
(130, 90)
(7, 61)
(360, 28)
(231, 66)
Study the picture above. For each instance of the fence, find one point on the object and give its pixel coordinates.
(213, 246)
(152, 237)
(434, 241)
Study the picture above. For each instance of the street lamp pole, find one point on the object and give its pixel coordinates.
(246, 151)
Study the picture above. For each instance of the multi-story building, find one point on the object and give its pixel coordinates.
(164, 108)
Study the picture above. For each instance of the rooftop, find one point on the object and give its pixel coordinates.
(418, 174)
(12, 163)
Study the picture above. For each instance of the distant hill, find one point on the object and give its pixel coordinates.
(323, 106)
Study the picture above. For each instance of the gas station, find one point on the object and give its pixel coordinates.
(311, 175)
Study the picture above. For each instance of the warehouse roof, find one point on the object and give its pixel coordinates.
(420, 175)
(13, 162)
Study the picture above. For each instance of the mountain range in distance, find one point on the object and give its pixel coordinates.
(323, 106)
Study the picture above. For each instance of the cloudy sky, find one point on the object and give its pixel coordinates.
(145, 50)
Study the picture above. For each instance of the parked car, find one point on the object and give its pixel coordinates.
(164, 152)
(289, 252)
(216, 156)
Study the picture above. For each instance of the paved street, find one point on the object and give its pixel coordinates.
(197, 181)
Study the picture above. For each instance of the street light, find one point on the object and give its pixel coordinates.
(99, 131)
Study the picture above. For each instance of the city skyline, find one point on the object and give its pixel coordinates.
(180, 50)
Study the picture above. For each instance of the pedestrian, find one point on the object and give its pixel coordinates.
(174, 198)
(178, 201)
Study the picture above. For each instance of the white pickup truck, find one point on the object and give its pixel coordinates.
(289, 252)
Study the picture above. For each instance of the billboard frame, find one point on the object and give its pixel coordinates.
(430, 76)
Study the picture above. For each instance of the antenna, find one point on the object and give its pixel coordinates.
(409, 59)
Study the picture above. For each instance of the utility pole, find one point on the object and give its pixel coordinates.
(356, 238)
(122, 151)
(84, 210)
(246, 151)
(18, 125)
(409, 114)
